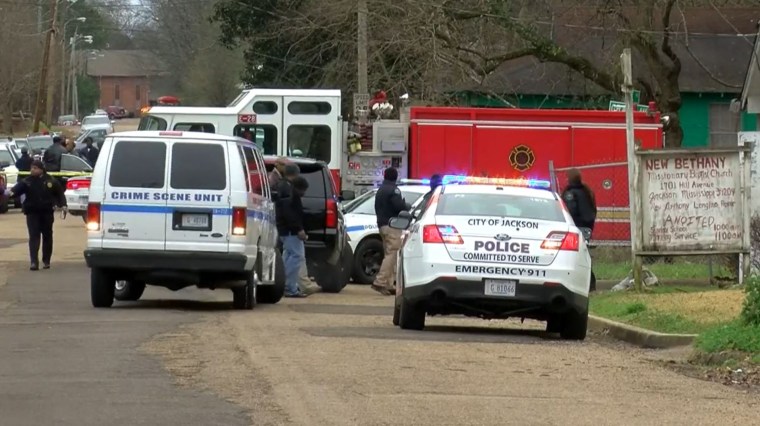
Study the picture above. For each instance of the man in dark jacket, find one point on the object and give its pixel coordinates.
(53, 155)
(24, 163)
(388, 203)
(581, 204)
(290, 227)
(89, 152)
(43, 194)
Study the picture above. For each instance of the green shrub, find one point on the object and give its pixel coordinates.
(751, 308)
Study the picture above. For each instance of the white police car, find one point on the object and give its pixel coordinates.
(494, 248)
(177, 209)
(361, 226)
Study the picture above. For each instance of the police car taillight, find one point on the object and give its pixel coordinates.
(441, 234)
(239, 220)
(93, 217)
(561, 241)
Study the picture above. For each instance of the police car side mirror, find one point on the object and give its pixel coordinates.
(400, 222)
(347, 195)
(405, 214)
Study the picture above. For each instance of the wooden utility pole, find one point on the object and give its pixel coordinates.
(39, 108)
(362, 86)
(633, 172)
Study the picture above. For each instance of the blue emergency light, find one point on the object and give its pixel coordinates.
(478, 180)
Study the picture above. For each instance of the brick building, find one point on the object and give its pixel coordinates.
(125, 77)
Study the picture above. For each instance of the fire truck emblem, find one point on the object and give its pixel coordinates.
(521, 158)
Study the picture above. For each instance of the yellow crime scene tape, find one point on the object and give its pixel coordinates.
(60, 174)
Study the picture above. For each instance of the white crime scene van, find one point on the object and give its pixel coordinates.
(179, 209)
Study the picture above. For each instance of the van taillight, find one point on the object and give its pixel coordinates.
(239, 220)
(331, 213)
(562, 241)
(93, 217)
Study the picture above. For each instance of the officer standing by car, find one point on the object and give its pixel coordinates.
(53, 155)
(43, 194)
(388, 203)
(24, 163)
(581, 204)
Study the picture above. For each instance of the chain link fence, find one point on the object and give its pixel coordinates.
(611, 240)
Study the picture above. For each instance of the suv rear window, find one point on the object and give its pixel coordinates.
(313, 173)
(500, 205)
(138, 165)
(198, 166)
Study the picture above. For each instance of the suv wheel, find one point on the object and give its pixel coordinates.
(245, 297)
(411, 316)
(128, 290)
(102, 287)
(367, 260)
(334, 278)
(273, 293)
(574, 326)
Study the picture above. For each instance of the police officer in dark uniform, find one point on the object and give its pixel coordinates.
(388, 203)
(581, 204)
(43, 194)
(24, 163)
(53, 155)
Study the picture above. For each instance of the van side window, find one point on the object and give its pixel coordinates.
(310, 141)
(263, 135)
(195, 127)
(309, 108)
(264, 175)
(138, 165)
(256, 174)
(198, 166)
(150, 122)
(245, 169)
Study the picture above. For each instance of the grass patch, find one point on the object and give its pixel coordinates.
(731, 337)
(690, 310)
(614, 263)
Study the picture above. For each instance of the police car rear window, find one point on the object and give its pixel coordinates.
(138, 165)
(198, 166)
(500, 205)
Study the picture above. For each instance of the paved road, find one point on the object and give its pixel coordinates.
(187, 359)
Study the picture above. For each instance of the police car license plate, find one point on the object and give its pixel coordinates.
(194, 220)
(504, 288)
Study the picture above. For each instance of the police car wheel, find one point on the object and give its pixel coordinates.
(396, 314)
(244, 297)
(411, 316)
(128, 290)
(4, 206)
(272, 294)
(367, 261)
(574, 326)
(102, 287)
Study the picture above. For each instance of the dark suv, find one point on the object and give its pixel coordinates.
(328, 256)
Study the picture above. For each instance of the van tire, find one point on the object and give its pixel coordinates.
(132, 291)
(102, 287)
(271, 294)
(244, 297)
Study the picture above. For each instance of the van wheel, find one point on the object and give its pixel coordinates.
(367, 260)
(272, 294)
(128, 290)
(411, 316)
(102, 287)
(245, 297)
(574, 326)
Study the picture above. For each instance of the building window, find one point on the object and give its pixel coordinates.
(723, 126)
(137, 92)
(116, 92)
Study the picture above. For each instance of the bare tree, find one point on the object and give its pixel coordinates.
(19, 48)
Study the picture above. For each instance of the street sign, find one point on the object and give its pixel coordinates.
(636, 94)
(642, 108)
(247, 118)
(617, 106)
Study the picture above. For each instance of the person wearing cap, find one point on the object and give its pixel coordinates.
(53, 155)
(43, 194)
(276, 175)
(388, 203)
(24, 163)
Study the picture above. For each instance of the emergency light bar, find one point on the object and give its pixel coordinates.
(414, 181)
(478, 180)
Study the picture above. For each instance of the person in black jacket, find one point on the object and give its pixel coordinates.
(24, 163)
(581, 204)
(388, 203)
(89, 152)
(290, 227)
(53, 155)
(43, 195)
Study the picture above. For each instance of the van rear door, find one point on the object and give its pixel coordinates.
(134, 204)
(198, 196)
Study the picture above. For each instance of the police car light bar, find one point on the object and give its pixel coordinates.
(414, 181)
(478, 180)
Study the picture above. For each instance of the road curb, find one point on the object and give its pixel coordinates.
(639, 336)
